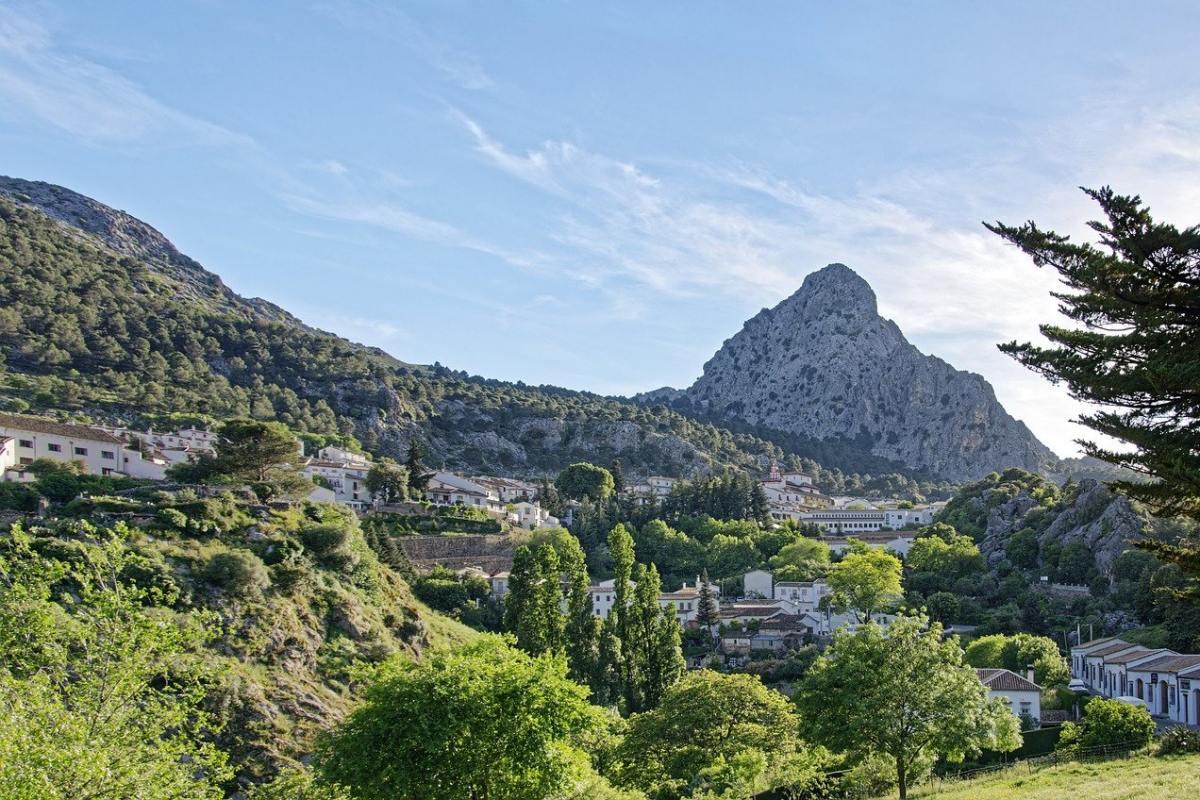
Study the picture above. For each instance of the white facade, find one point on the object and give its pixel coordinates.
(531, 515)
(806, 595)
(846, 521)
(1021, 694)
(97, 451)
(686, 601)
(448, 489)
(897, 518)
(346, 478)
(897, 542)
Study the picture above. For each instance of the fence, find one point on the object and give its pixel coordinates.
(1110, 752)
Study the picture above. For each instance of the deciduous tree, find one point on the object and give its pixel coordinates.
(903, 693)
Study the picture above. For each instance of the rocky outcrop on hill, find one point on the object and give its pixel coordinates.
(825, 365)
(1086, 515)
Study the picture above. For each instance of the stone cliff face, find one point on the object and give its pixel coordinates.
(825, 365)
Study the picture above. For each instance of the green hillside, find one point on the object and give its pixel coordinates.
(141, 331)
(1139, 778)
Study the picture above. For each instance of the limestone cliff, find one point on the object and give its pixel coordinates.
(824, 364)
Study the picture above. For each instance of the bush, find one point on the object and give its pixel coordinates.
(1179, 739)
(239, 572)
(1108, 723)
(331, 544)
(172, 518)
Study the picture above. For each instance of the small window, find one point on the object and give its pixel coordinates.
(81, 451)
(25, 461)
(108, 454)
(54, 448)
(25, 442)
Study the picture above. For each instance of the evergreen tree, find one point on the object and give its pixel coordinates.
(652, 644)
(418, 476)
(620, 549)
(582, 627)
(618, 476)
(545, 632)
(519, 599)
(1137, 296)
(706, 606)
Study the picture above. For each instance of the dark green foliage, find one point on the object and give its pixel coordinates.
(1137, 296)
(387, 481)
(1177, 740)
(583, 480)
(332, 544)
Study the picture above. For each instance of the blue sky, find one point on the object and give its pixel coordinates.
(596, 195)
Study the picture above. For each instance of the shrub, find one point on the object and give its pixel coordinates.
(172, 518)
(238, 572)
(331, 544)
(1108, 723)
(1179, 739)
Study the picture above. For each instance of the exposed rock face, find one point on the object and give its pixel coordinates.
(824, 364)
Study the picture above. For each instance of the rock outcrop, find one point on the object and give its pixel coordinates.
(823, 364)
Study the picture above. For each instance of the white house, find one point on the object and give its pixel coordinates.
(97, 451)
(899, 542)
(448, 489)
(897, 518)
(1114, 671)
(661, 485)
(1023, 696)
(344, 473)
(508, 490)
(806, 595)
(499, 582)
(531, 515)
(686, 600)
(1094, 662)
(1080, 652)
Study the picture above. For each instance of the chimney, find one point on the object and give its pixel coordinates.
(1029, 675)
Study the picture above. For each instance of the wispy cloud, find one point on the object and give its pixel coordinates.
(385, 20)
(85, 98)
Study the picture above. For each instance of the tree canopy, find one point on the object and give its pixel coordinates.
(485, 721)
(903, 693)
(866, 582)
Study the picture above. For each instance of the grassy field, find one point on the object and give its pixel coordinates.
(1141, 778)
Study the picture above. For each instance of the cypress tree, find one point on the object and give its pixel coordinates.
(706, 606)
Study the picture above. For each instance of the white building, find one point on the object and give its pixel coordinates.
(1169, 686)
(531, 515)
(448, 489)
(1023, 696)
(916, 517)
(899, 542)
(344, 473)
(806, 595)
(686, 601)
(847, 521)
(97, 451)
(507, 490)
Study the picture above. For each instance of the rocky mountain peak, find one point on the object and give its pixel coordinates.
(835, 288)
(824, 365)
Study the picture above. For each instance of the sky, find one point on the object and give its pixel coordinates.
(596, 195)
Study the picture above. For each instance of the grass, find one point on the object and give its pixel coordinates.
(1139, 778)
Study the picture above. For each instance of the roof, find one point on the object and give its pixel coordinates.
(1095, 642)
(1141, 652)
(1109, 649)
(1172, 662)
(43, 425)
(1004, 680)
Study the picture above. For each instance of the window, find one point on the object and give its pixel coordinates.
(54, 448)
(107, 454)
(25, 442)
(25, 461)
(81, 451)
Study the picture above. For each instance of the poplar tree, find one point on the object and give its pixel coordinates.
(1135, 351)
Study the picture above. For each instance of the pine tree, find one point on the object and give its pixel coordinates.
(1137, 296)
(418, 476)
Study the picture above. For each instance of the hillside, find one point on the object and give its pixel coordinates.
(298, 604)
(824, 365)
(1143, 778)
(101, 315)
